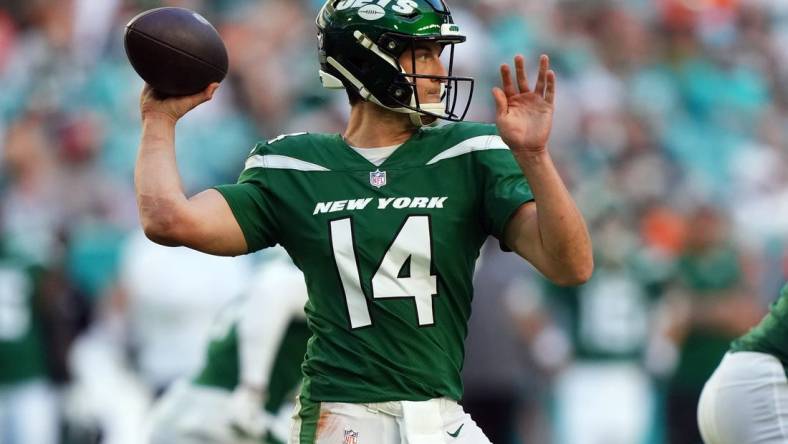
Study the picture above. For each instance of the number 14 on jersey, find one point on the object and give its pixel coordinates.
(412, 242)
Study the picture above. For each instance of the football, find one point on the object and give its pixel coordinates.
(175, 50)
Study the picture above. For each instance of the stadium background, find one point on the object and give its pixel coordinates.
(671, 126)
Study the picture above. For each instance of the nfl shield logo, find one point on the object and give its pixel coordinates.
(351, 437)
(377, 178)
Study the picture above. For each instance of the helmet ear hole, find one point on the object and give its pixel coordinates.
(401, 91)
(392, 46)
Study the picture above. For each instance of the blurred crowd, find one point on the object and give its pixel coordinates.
(671, 130)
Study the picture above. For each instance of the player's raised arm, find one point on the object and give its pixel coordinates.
(550, 233)
(203, 222)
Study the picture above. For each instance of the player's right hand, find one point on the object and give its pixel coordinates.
(172, 108)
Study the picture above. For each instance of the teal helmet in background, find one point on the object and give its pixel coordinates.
(360, 43)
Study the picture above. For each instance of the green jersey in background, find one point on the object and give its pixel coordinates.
(608, 318)
(222, 364)
(22, 351)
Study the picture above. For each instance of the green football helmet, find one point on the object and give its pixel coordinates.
(360, 43)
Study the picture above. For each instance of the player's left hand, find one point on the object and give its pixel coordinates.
(525, 116)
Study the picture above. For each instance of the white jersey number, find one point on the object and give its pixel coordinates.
(613, 315)
(412, 242)
(14, 310)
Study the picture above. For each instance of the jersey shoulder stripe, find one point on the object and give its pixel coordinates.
(456, 132)
(293, 144)
(277, 161)
(298, 151)
(478, 143)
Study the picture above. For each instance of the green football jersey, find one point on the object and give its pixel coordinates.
(222, 367)
(388, 251)
(22, 353)
(607, 318)
(771, 334)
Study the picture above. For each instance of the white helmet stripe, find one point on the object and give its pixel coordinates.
(362, 90)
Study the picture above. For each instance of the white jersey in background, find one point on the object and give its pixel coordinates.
(173, 296)
(245, 390)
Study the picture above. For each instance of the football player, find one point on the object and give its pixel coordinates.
(604, 394)
(746, 399)
(28, 402)
(385, 220)
(251, 371)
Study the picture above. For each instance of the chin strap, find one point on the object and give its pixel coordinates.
(417, 121)
(420, 120)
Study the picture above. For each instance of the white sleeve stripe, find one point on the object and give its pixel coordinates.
(479, 143)
(276, 161)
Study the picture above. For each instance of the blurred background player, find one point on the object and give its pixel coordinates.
(604, 393)
(150, 332)
(28, 401)
(245, 390)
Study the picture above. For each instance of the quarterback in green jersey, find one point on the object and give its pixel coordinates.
(242, 394)
(746, 399)
(386, 219)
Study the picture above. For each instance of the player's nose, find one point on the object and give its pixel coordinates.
(438, 69)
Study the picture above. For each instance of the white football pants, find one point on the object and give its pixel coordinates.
(28, 414)
(745, 401)
(603, 403)
(437, 421)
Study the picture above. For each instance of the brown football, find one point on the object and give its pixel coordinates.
(175, 50)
